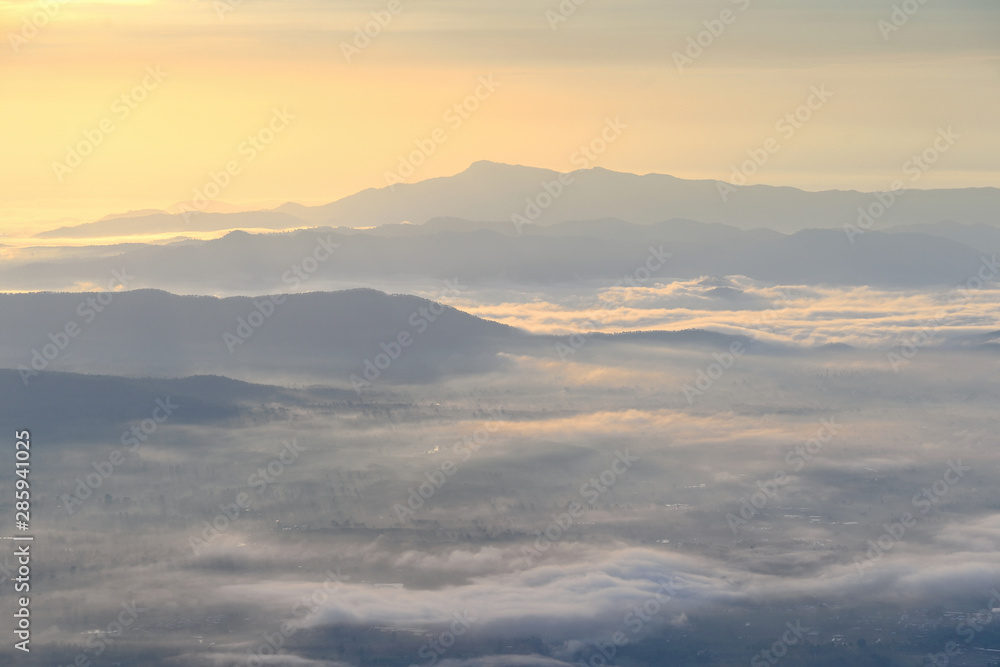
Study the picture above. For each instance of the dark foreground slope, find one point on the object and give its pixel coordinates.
(325, 336)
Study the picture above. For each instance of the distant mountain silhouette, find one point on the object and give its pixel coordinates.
(489, 191)
(493, 192)
(982, 237)
(164, 223)
(601, 250)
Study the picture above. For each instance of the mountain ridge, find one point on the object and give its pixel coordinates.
(492, 191)
(602, 250)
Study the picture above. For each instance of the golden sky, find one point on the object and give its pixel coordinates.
(228, 66)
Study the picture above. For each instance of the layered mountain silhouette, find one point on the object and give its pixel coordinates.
(599, 250)
(493, 192)
(358, 337)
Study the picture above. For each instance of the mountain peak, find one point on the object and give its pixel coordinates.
(489, 164)
(489, 168)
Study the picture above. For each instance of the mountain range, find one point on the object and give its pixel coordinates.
(604, 251)
(494, 192)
